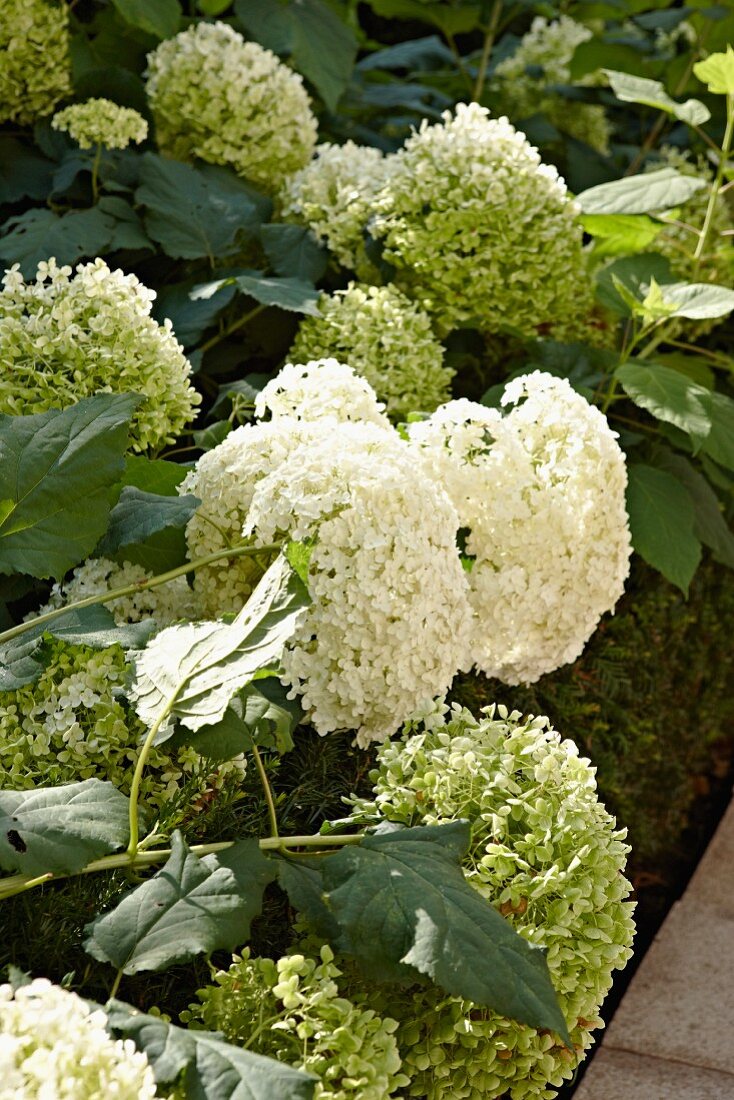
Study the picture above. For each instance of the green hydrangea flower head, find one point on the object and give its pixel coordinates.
(333, 196)
(524, 81)
(305, 1022)
(385, 338)
(35, 67)
(481, 231)
(547, 854)
(227, 101)
(67, 336)
(101, 122)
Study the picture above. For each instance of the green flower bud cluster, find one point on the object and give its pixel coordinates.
(481, 231)
(385, 338)
(292, 1010)
(228, 101)
(64, 337)
(546, 853)
(101, 122)
(35, 68)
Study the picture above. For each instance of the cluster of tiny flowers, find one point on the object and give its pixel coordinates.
(389, 622)
(228, 101)
(481, 231)
(546, 853)
(541, 494)
(303, 1021)
(385, 338)
(72, 725)
(547, 50)
(318, 388)
(55, 1045)
(101, 122)
(334, 194)
(65, 336)
(35, 67)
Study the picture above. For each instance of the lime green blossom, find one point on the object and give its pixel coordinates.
(228, 101)
(64, 337)
(301, 1019)
(546, 853)
(385, 338)
(101, 122)
(481, 231)
(35, 68)
(333, 195)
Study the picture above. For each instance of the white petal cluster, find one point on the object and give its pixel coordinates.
(228, 101)
(101, 122)
(481, 231)
(540, 493)
(67, 336)
(166, 604)
(333, 195)
(54, 1046)
(317, 388)
(35, 65)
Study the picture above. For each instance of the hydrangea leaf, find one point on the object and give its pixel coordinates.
(197, 668)
(459, 19)
(668, 395)
(161, 18)
(194, 212)
(620, 234)
(294, 295)
(261, 714)
(166, 549)
(154, 475)
(401, 901)
(651, 93)
(138, 515)
(635, 273)
(294, 251)
(60, 472)
(39, 233)
(60, 829)
(699, 301)
(24, 172)
(717, 72)
(190, 319)
(719, 443)
(641, 194)
(709, 525)
(215, 1070)
(303, 883)
(662, 523)
(190, 907)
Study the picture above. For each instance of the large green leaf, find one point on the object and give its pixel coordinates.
(662, 523)
(669, 396)
(190, 319)
(634, 274)
(699, 301)
(60, 829)
(294, 251)
(154, 475)
(262, 714)
(709, 525)
(138, 515)
(160, 18)
(24, 172)
(620, 234)
(719, 443)
(651, 93)
(401, 901)
(195, 212)
(215, 1070)
(451, 19)
(717, 72)
(294, 295)
(39, 233)
(59, 474)
(641, 194)
(196, 669)
(192, 906)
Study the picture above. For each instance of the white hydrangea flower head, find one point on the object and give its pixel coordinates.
(66, 336)
(547, 854)
(540, 494)
(228, 101)
(54, 1046)
(385, 338)
(481, 231)
(35, 65)
(312, 388)
(101, 122)
(333, 196)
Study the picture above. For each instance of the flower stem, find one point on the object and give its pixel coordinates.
(268, 792)
(95, 172)
(132, 848)
(115, 984)
(716, 185)
(139, 586)
(239, 323)
(489, 38)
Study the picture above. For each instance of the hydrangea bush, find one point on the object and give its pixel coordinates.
(35, 66)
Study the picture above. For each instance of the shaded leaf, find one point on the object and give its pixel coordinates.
(138, 515)
(669, 396)
(303, 882)
(190, 319)
(161, 18)
(39, 233)
(641, 194)
(635, 273)
(154, 475)
(24, 172)
(662, 521)
(719, 443)
(709, 525)
(294, 251)
(294, 295)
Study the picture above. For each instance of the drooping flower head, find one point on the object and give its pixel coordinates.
(67, 336)
(384, 337)
(35, 66)
(546, 853)
(227, 101)
(540, 493)
(101, 122)
(481, 231)
(54, 1044)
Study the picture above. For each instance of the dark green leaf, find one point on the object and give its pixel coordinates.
(61, 829)
(128, 232)
(138, 515)
(662, 523)
(293, 250)
(213, 435)
(59, 477)
(709, 526)
(668, 395)
(719, 443)
(161, 18)
(635, 273)
(303, 883)
(641, 194)
(24, 172)
(451, 19)
(401, 901)
(190, 907)
(215, 1070)
(39, 233)
(190, 319)
(154, 475)
(294, 295)
(261, 714)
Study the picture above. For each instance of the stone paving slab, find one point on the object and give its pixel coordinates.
(713, 880)
(619, 1075)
